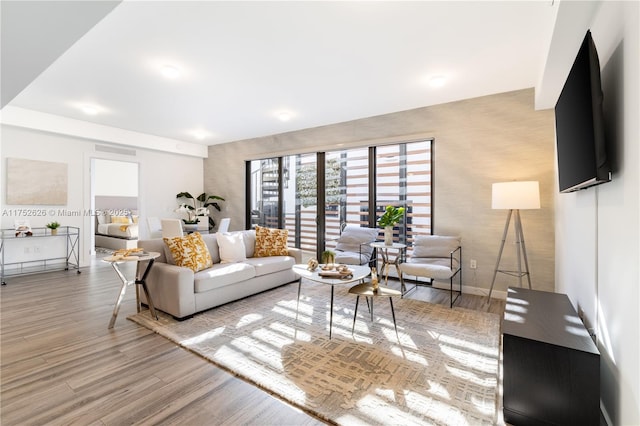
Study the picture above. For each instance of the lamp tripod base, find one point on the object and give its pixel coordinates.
(521, 250)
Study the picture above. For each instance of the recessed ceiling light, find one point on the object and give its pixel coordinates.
(89, 109)
(170, 71)
(437, 81)
(199, 134)
(284, 116)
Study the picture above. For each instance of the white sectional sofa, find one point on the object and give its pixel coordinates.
(181, 292)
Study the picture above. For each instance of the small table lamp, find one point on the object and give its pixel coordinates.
(514, 196)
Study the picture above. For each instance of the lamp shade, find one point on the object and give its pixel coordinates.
(515, 195)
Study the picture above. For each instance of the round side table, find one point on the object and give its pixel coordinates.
(386, 262)
(367, 291)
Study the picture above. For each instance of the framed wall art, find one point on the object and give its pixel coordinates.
(34, 182)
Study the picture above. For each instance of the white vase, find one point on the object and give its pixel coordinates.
(388, 235)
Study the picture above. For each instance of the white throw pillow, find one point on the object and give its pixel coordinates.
(231, 247)
(104, 218)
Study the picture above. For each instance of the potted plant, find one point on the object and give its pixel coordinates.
(328, 257)
(199, 206)
(390, 218)
(54, 227)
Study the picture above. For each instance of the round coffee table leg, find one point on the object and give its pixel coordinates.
(393, 315)
(298, 303)
(355, 313)
(331, 313)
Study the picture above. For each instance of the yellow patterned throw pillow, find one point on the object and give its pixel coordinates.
(271, 242)
(190, 251)
(120, 219)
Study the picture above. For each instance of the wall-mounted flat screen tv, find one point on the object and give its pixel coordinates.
(580, 139)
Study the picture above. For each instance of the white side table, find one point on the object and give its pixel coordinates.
(386, 262)
(115, 261)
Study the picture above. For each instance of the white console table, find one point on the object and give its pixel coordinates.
(39, 252)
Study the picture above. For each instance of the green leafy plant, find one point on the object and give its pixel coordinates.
(328, 256)
(199, 206)
(53, 225)
(391, 216)
(307, 185)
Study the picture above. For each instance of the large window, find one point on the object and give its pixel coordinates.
(301, 201)
(347, 191)
(318, 193)
(403, 178)
(264, 186)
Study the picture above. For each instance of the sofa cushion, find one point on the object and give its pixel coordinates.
(434, 245)
(189, 251)
(271, 242)
(211, 241)
(356, 239)
(436, 268)
(269, 265)
(157, 245)
(232, 248)
(222, 274)
(249, 237)
(351, 258)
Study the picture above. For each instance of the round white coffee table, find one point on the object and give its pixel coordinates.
(358, 274)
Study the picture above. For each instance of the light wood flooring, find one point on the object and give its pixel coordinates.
(60, 365)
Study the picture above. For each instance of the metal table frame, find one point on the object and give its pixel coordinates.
(384, 253)
(359, 273)
(367, 291)
(115, 262)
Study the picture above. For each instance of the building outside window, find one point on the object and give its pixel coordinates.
(347, 183)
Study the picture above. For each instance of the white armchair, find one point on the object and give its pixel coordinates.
(155, 227)
(353, 245)
(435, 257)
(171, 228)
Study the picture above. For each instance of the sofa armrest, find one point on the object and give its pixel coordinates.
(172, 289)
(296, 253)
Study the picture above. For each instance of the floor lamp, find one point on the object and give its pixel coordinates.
(514, 196)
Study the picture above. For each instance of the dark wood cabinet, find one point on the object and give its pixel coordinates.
(551, 364)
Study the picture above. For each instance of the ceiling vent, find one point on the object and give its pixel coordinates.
(115, 150)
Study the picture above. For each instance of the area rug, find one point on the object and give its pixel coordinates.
(440, 368)
(104, 250)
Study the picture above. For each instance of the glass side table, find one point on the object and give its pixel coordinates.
(115, 262)
(386, 261)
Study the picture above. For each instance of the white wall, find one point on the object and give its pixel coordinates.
(598, 230)
(115, 178)
(162, 176)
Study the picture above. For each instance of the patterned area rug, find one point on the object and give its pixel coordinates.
(103, 250)
(441, 368)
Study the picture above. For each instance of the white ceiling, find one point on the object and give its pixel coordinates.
(324, 62)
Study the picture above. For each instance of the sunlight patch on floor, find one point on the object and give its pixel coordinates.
(248, 319)
(202, 337)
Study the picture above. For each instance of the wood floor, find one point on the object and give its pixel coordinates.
(60, 365)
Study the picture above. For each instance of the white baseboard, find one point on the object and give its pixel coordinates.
(495, 294)
(443, 285)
